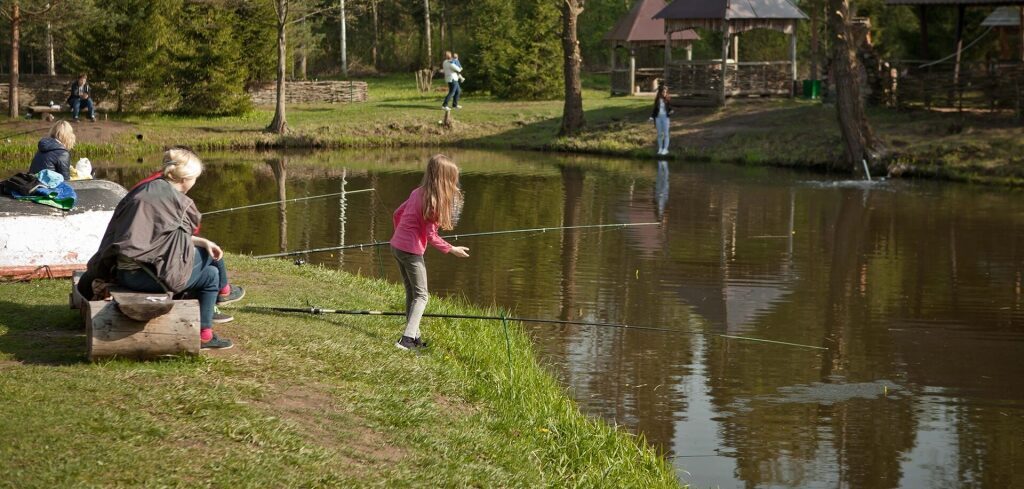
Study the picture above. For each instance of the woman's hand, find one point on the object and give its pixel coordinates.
(215, 252)
(460, 251)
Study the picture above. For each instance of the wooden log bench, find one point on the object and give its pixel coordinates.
(45, 111)
(137, 325)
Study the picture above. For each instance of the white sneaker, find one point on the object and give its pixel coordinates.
(458, 106)
(445, 108)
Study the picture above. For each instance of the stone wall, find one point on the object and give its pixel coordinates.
(311, 92)
(40, 90)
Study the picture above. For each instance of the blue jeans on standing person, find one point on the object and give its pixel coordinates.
(454, 90)
(662, 124)
(207, 278)
(76, 106)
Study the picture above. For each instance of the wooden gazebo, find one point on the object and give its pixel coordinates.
(1007, 21)
(697, 81)
(639, 30)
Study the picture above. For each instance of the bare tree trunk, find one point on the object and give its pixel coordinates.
(344, 42)
(572, 113)
(815, 53)
(376, 34)
(12, 96)
(426, 32)
(859, 142)
(443, 28)
(280, 125)
(51, 62)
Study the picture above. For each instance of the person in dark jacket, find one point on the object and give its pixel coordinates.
(660, 116)
(150, 246)
(81, 95)
(54, 151)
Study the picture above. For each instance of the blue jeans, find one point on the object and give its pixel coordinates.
(76, 106)
(453, 90)
(207, 278)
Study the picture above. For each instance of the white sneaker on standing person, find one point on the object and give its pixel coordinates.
(660, 116)
(451, 77)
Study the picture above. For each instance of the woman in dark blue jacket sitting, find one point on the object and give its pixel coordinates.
(55, 151)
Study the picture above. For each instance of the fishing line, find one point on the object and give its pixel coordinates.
(455, 237)
(205, 214)
(317, 311)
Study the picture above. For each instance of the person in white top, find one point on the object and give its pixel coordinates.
(660, 116)
(451, 76)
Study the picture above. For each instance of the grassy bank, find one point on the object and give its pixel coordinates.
(979, 147)
(302, 401)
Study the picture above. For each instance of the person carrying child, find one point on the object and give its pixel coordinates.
(429, 207)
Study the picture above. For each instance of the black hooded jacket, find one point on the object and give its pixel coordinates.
(52, 155)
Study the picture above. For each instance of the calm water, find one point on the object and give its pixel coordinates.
(915, 289)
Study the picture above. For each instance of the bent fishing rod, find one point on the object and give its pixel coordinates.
(205, 214)
(455, 237)
(317, 311)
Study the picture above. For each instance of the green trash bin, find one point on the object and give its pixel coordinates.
(812, 89)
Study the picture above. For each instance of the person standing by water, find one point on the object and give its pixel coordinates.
(54, 151)
(452, 69)
(81, 95)
(429, 207)
(660, 116)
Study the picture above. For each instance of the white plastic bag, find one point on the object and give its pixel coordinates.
(83, 169)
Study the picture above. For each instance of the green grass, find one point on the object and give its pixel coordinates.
(302, 401)
(973, 147)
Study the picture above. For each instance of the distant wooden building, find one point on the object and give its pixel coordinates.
(712, 81)
(1007, 22)
(637, 31)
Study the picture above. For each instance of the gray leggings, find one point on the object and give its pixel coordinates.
(414, 277)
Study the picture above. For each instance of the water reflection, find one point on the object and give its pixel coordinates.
(914, 288)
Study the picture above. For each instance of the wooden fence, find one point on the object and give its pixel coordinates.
(646, 80)
(701, 80)
(996, 86)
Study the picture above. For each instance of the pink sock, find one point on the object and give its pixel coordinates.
(206, 334)
(226, 290)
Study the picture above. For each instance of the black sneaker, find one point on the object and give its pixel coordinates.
(216, 343)
(221, 318)
(236, 294)
(406, 343)
(419, 343)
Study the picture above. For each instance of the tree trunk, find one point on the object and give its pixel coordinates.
(280, 125)
(12, 96)
(572, 113)
(426, 32)
(443, 27)
(376, 34)
(344, 42)
(859, 143)
(51, 62)
(815, 54)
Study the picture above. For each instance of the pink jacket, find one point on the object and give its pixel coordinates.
(412, 232)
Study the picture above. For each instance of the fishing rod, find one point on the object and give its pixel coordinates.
(317, 311)
(455, 237)
(205, 214)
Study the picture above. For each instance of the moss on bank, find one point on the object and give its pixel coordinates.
(301, 401)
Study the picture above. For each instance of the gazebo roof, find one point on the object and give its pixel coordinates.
(1003, 17)
(730, 10)
(640, 26)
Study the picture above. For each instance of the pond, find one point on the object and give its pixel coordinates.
(915, 289)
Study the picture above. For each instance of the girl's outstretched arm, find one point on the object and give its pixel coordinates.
(435, 240)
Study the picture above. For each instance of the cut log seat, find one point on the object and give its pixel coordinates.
(120, 328)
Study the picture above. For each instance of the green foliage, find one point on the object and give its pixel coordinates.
(517, 53)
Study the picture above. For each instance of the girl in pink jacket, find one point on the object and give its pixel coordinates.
(429, 207)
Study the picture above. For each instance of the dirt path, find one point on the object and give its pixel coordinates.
(98, 132)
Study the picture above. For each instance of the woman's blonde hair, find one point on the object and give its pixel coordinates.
(180, 164)
(441, 194)
(63, 132)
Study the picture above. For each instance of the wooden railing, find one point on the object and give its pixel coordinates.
(645, 79)
(703, 78)
(992, 86)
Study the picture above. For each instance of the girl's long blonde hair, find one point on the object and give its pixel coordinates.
(181, 164)
(441, 194)
(63, 132)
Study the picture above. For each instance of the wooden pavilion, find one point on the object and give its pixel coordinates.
(1007, 21)
(637, 31)
(712, 81)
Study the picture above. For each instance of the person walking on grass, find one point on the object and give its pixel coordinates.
(150, 246)
(452, 69)
(430, 206)
(660, 116)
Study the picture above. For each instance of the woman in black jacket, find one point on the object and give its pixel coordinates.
(660, 116)
(54, 151)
